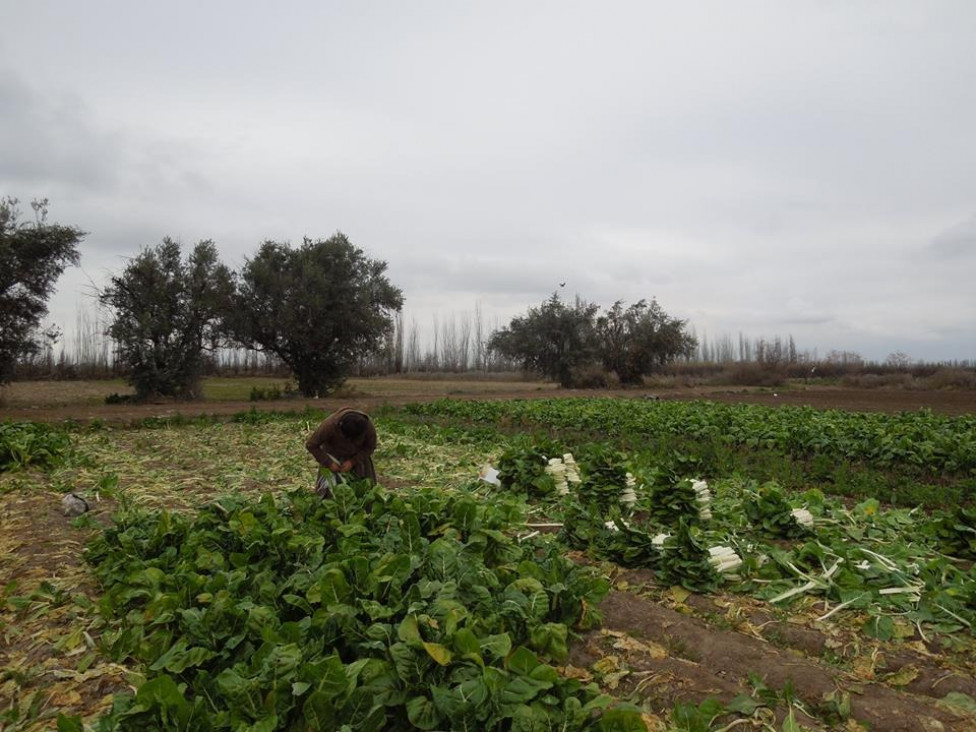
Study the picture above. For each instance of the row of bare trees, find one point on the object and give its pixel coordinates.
(455, 343)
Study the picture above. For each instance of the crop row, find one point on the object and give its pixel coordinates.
(919, 439)
(369, 612)
(754, 538)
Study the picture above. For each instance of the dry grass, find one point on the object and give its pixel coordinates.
(434, 388)
(47, 394)
(21, 394)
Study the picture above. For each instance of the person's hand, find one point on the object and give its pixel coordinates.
(346, 466)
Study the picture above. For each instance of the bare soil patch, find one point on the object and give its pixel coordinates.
(48, 636)
(664, 656)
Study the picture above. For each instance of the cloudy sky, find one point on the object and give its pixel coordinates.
(765, 168)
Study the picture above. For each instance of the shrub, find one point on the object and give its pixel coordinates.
(751, 374)
(879, 381)
(592, 377)
(952, 378)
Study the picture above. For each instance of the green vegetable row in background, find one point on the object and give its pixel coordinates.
(921, 439)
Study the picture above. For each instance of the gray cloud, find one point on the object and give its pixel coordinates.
(957, 242)
(760, 168)
(45, 140)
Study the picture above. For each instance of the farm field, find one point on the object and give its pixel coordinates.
(52, 401)
(828, 600)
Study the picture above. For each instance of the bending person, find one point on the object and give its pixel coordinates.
(343, 443)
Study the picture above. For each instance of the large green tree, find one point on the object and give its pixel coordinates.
(555, 339)
(318, 308)
(634, 340)
(167, 313)
(32, 257)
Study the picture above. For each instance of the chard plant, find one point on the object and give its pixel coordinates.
(31, 444)
(687, 500)
(954, 532)
(524, 467)
(769, 511)
(606, 481)
(371, 611)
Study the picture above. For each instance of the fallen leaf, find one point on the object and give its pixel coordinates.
(902, 677)
(653, 723)
(575, 672)
(627, 643)
(607, 665)
(864, 667)
(904, 629)
(611, 681)
(62, 698)
(679, 594)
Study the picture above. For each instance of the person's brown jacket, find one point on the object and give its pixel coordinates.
(328, 442)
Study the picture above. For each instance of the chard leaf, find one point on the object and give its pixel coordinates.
(439, 653)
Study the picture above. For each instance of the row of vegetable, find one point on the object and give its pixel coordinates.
(34, 445)
(370, 611)
(922, 438)
(899, 565)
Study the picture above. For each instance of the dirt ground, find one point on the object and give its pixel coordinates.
(655, 645)
(685, 649)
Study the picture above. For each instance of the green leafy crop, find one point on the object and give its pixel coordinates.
(24, 444)
(522, 466)
(770, 512)
(372, 611)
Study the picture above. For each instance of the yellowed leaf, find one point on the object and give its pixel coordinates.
(62, 698)
(612, 681)
(575, 672)
(903, 629)
(864, 668)
(902, 677)
(920, 648)
(73, 640)
(607, 665)
(679, 594)
(627, 643)
(653, 723)
(438, 652)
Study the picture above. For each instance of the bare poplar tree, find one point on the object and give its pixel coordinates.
(464, 342)
(480, 339)
(412, 358)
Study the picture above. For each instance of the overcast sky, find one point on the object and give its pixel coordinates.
(764, 168)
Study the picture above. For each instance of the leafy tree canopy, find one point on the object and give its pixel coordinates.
(318, 308)
(634, 340)
(167, 312)
(33, 255)
(559, 340)
(554, 339)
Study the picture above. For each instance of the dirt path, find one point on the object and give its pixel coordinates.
(666, 655)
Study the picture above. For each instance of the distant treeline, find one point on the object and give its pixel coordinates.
(458, 343)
